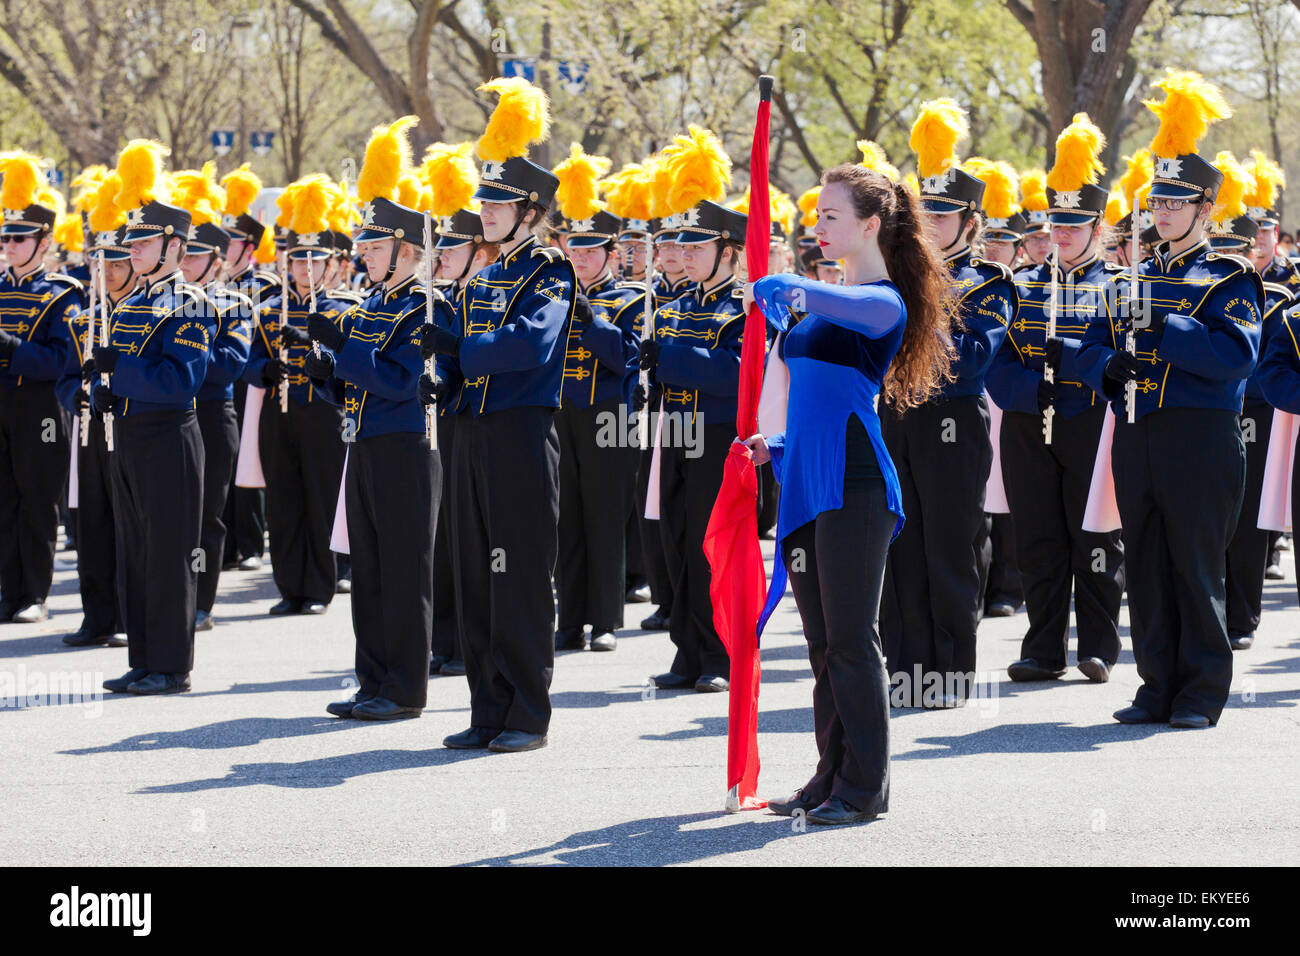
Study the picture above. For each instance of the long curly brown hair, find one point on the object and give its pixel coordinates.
(924, 359)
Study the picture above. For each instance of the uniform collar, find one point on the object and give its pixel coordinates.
(399, 288)
(715, 290)
(169, 279)
(30, 277)
(525, 248)
(958, 259)
(604, 279)
(1182, 258)
(1077, 271)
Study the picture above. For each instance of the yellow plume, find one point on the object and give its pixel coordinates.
(22, 180)
(388, 156)
(312, 204)
(1140, 197)
(1001, 186)
(51, 198)
(1267, 178)
(285, 203)
(197, 191)
(1141, 167)
(1033, 190)
(912, 183)
(1229, 202)
(873, 158)
(661, 181)
(85, 183)
(451, 175)
(780, 207)
(1116, 206)
(140, 169)
(242, 186)
(412, 192)
(628, 192)
(522, 116)
(698, 167)
(808, 206)
(68, 233)
(1191, 104)
(265, 252)
(1078, 149)
(935, 133)
(105, 214)
(341, 212)
(578, 174)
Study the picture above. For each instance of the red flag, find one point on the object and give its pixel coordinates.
(739, 584)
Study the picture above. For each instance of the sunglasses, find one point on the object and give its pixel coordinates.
(5, 240)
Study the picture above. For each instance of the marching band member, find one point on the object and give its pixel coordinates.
(1037, 242)
(155, 361)
(1180, 469)
(370, 363)
(1278, 375)
(205, 255)
(888, 330)
(695, 358)
(1047, 482)
(301, 450)
(597, 474)
(1233, 232)
(1267, 182)
(513, 320)
(101, 621)
(36, 312)
(933, 592)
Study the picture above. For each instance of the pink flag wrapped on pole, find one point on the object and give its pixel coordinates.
(1275, 498)
(248, 467)
(995, 492)
(1101, 514)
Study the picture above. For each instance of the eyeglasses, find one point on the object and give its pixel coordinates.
(1173, 205)
(5, 240)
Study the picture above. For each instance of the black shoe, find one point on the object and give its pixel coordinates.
(1000, 609)
(671, 681)
(343, 586)
(313, 607)
(250, 564)
(570, 639)
(286, 606)
(658, 621)
(796, 801)
(117, 640)
(1135, 715)
(1095, 669)
(1029, 669)
(152, 684)
(343, 708)
(230, 565)
(835, 812)
(712, 684)
(118, 685)
(603, 640)
(32, 614)
(516, 742)
(474, 738)
(1189, 720)
(381, 708)
(203, 621)
(84, 638)
(1241, 642)
(435, 664)
(7, 611)
(453, 668)
(637, 594)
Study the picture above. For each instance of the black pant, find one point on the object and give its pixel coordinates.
(1179, 480)
(393, 487)
(220, 429)
(595, 494)
(652, 545)
(837, 569)
(933, 593)
(446, 628)
(157, 466)
(1047, 489)
(34, 456)
(302, 456)
(690, 474)
(96, 536)
(1004, 583)
(1250, 549)
(769, 498)
(245, 514)
(505, 503)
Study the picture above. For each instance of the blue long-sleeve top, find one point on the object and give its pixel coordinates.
(446, 316)
(1017, 368)
(988, 305)
(601, 358)
(1277, 299)
(294, 309)
(513, 320)
(1279, 365)
(700, 335)
(40, 309)
(163, 334)
(837, 354)
(1207, 346)
(230, 346)
(377, 371)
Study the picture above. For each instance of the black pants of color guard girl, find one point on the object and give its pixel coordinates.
(392, 499)
(446, 629)
(220, 429)
(1249, 549)
(157, 468)
(840, 556)
(933, 594)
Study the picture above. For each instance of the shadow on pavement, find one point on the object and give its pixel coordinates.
(1044, 738)
(224, 734)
